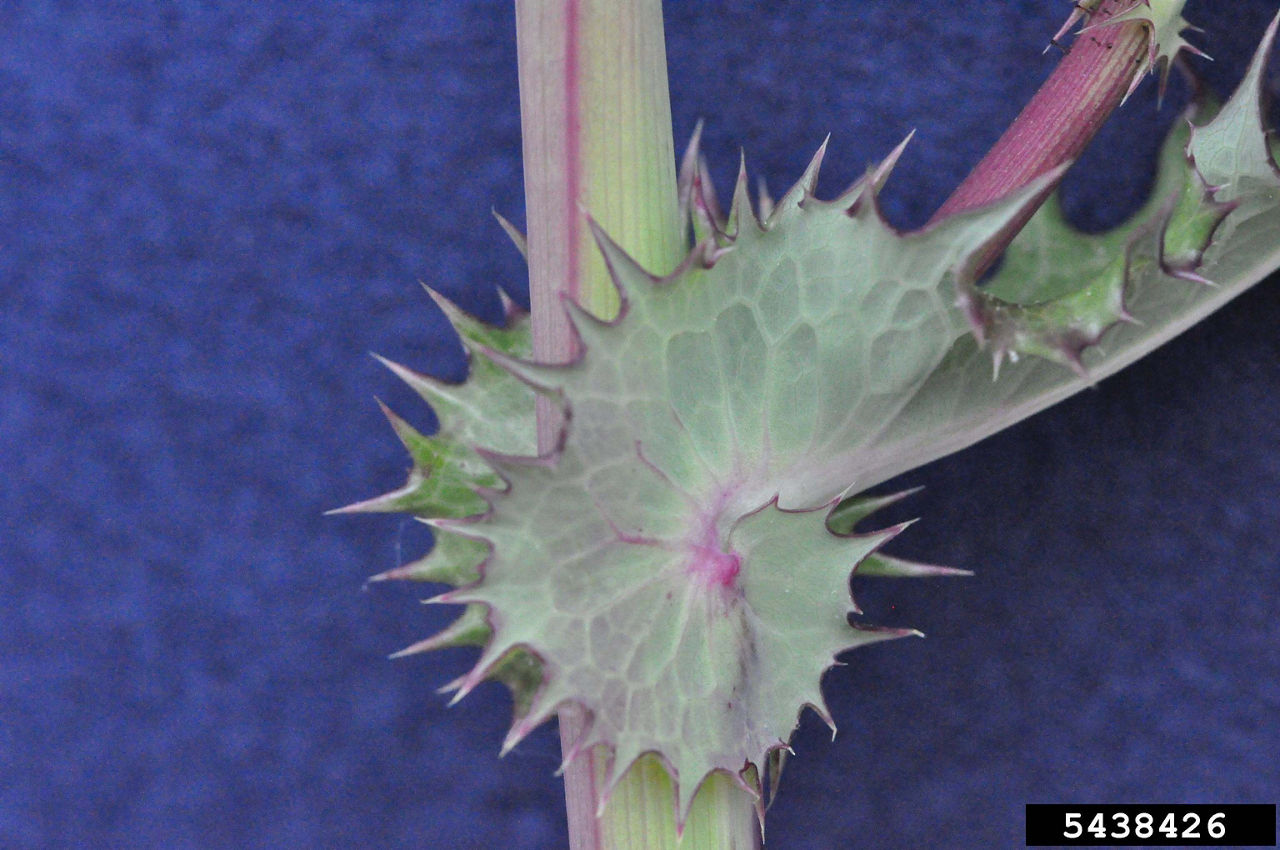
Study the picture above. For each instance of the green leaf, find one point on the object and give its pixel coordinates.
(960, 403)
(678, 567)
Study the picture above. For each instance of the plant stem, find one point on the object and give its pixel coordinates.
(1060, 120)
(596, 125)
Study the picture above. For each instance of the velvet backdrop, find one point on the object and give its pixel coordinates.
(210, 212)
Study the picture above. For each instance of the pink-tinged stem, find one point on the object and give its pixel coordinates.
(548, 50)
(1060, 120)
(596, 127)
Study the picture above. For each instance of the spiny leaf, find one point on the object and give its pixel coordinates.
(677, 569)
(470, 629)
(1163, 19)
(455, 559)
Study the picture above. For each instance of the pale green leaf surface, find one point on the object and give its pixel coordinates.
(961, 403)
(669, 568)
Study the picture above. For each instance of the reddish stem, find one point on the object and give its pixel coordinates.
(1060, 120)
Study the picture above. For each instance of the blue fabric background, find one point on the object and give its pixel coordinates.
(210, 212)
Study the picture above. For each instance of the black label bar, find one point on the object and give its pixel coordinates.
(1151, 825)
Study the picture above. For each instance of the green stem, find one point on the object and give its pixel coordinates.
(596, 125)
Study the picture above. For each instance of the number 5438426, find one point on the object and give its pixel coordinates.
(1122, 825)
